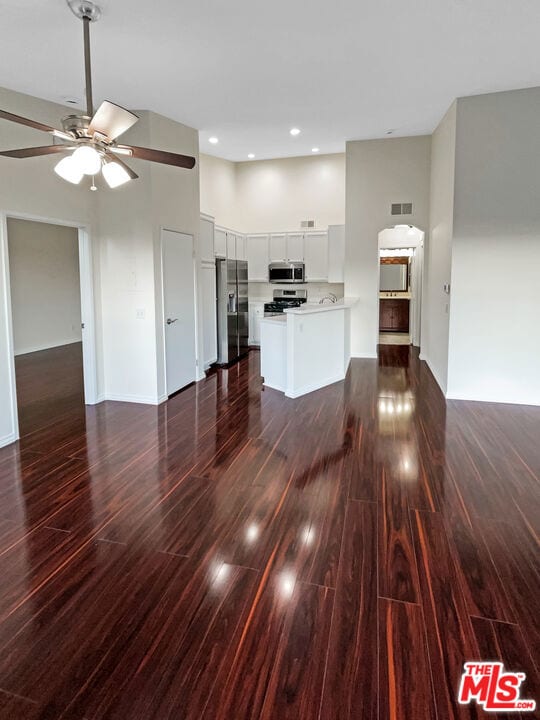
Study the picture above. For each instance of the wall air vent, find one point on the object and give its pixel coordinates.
(401, 209)
(307, 223)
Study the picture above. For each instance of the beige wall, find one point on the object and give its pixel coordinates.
(279, 194)
(494, 347)
(379, 172)
(45, 290)
(274, 195)
(438, 248)
(218, 190)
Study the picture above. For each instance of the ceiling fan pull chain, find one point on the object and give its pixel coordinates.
(93, 185)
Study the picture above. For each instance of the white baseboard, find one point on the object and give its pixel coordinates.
(8, 439)
(139, 399)
(314, 386)
(435, 374)
(365, 357)
(274, 387)
(47, 346)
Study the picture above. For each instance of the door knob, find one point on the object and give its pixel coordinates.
(170, 321)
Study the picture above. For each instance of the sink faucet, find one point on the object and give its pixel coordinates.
(330, 297)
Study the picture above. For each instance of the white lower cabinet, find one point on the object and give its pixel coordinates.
(256, 313)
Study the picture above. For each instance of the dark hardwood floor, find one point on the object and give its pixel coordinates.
(233, 554)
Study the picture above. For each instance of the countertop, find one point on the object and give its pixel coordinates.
(397, 296)
(310, 308)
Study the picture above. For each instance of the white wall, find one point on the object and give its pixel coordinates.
(438, 249)
(130, 221)
(379, 172)
(45, 288)
(218, 190)
(494, 340)
(274, 195)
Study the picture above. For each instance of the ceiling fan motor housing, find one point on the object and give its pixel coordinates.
(85, 9)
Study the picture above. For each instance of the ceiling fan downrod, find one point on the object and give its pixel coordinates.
(87, 12)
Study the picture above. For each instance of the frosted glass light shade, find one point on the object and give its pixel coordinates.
(114, 174)
(87, 160)
(68, 170)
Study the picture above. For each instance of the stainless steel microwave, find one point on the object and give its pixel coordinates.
(287, 272)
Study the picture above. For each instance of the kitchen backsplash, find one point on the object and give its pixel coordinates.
(265, 291)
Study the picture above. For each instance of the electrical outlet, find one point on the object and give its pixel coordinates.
(140, 314)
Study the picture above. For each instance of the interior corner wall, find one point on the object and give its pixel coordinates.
(45, 285)
(175, 206)
(438, 249)
(30, 187)
(494, 342)
(378, 173)
(218, 190)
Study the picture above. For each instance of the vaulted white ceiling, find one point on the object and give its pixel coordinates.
(247, 71)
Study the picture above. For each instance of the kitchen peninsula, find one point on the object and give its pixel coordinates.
(306, 348)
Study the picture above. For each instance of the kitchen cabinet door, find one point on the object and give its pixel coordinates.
(256, 312)
(316, 257)
(240, 247)
(295, 247)
(257, 257)
(206, 239)
(209, 313)
(231, 246)
(220, 243)
(278, 247)
(336, 253)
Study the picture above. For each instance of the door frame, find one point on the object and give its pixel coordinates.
(196, 305)
(86, 283)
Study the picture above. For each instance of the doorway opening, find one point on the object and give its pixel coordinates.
(50, 331)
(401, 260)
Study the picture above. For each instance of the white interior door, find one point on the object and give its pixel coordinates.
(178, 309)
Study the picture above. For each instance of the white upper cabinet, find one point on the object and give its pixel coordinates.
(257, 257)
(231, 246)
(278, 247)
(286, 247)
(316, 256)
(220, 243)
(295, 247)
(206, 238)
(336, 253)
(241, 247)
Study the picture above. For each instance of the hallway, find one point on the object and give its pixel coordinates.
(235, 554)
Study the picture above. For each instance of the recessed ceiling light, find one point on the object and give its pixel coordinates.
(295, 131)
(314, 149)
(213, 140)
(251, 156)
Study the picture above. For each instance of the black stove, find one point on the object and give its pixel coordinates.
(283, 300)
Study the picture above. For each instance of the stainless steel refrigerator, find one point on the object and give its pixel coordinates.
(232, 309)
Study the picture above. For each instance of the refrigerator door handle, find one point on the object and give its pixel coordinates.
(231, 306)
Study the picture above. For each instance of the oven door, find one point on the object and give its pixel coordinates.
(286, 273)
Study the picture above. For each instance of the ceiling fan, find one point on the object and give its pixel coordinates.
(93, 136)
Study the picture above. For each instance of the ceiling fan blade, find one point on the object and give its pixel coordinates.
(111, 120)
(36, 151)
(4, 115)
(160, 156)
(132, 174)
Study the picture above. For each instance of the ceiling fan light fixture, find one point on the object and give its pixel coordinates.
(68, 170)
(114, 174)
(87, 159)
